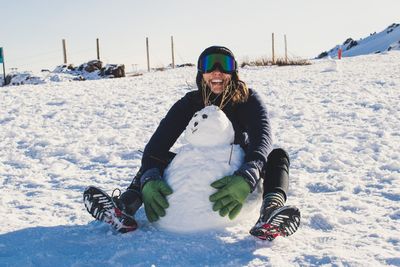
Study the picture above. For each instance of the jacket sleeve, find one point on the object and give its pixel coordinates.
(254, 116)
(156, 154)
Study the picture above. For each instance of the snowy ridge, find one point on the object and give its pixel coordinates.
(341, 128)
(386, 40)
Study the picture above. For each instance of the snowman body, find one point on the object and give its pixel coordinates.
(209, 156)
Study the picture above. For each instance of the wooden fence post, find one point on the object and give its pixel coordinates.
(273, 49)
(98, 48)
(64, 51)
(4, 66)
(148, 57)
(172, 50)
(286, 59)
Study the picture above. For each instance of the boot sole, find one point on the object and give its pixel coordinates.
(102, 207)
(283, 222)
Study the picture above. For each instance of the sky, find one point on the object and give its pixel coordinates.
(32, 31)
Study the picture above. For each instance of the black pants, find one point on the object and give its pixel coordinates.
(276, 173)
(275, 178)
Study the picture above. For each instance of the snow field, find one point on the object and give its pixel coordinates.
(339, 121)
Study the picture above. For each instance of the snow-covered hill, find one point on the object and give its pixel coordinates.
(386, 40)
(339, 121)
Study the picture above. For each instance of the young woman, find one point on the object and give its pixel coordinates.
(218, 84)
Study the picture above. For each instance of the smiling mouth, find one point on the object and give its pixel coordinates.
(194, 130)
(216, 82)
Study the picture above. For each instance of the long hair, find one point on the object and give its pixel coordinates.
(241, 91)
(235, 92)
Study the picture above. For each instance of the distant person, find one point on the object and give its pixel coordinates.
(218, 84)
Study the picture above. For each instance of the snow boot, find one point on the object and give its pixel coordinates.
(276, 219)
(109, 209)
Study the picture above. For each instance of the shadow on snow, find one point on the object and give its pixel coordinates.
(96, 245)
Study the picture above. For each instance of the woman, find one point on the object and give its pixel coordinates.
(218, 84)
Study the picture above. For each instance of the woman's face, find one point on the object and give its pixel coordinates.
(217, 80)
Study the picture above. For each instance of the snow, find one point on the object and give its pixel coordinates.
(206, 158)
(386, 40)
(209, 127)
(341, 128)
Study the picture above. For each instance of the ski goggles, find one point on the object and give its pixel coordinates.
(209, 63)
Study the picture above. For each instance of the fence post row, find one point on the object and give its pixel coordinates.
(172, 51)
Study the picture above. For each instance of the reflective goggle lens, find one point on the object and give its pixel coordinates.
(210, 62)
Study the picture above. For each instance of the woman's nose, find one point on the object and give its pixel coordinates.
(217, 71)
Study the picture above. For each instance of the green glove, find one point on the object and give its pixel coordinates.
(154, 198)
(231, 194)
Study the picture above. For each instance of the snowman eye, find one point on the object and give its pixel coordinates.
(195, 115)
(205, 116)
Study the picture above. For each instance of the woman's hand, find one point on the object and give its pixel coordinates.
(154, 194)
(232, 192)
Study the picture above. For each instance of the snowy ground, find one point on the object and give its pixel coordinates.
(339, 121)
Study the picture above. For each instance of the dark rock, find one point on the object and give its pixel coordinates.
(79, 78)
(113, 71)
(322, 55)
(348, 40)
(22, 78)
(351, 44)
(391, 27)
(185, 65)
(91, 66)
(8, 78)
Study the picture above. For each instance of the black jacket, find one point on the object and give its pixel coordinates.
(250, 122)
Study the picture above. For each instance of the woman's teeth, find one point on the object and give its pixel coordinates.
(216, 81)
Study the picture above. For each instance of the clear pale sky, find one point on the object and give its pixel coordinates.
(32, 31)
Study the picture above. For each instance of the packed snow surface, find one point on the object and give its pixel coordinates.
(207, 157)
(340, 126)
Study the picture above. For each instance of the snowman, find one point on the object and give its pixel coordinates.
(209, 155)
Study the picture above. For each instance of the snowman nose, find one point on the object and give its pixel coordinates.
(195, 123)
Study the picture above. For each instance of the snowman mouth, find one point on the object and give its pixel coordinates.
(194, 130)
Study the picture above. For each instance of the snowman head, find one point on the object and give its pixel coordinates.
(209, 127)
